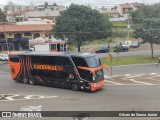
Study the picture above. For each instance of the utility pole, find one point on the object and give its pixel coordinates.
(128, 26)
(4, 28)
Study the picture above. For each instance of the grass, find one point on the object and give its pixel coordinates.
(130, 60)
(119, 24)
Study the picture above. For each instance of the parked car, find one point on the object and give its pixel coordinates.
(103, 50)
(121, 48)
(4, 57)
(135, 44)
(106, 45)
(125, 48)
(128, 43)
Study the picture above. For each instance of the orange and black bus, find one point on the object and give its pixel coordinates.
(79, 71)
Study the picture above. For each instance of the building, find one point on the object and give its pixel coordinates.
(45, 14)
(11, 8)
(136, 5)
(124, 8)
(112, 13)
(12, 11)
(53, 7)
(46, 11)
(18, 36)
(35, 21)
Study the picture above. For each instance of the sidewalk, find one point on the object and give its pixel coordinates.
(3, 52)
(3, 62)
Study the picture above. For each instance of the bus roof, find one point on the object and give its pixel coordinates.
(77, 54)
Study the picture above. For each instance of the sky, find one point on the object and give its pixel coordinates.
(83, 2)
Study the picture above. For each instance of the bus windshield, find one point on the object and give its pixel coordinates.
(93, 62)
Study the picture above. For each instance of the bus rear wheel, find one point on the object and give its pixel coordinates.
(25, 80)
(74, 86)
(31, 81)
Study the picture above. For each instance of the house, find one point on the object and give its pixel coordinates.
(112, 13)
(11, 8)
(12, 11)
(46, 14)
(17, 36)
(136, 5)
(124, 8)
(46, 11)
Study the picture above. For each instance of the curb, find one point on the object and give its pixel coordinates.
(134, 65)
(3, 63)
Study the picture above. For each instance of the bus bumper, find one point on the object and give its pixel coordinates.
(98, 85)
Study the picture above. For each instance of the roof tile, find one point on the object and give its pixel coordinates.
(20, 28)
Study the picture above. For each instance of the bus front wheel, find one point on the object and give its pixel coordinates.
(25, 80)
(74, 86)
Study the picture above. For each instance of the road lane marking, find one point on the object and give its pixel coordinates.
(114, 82)
(140, 82)
(133, 85)
(152, 73)
(105, 76)
(126, 75)
(31, 108)
(13, 97)
(135, 76)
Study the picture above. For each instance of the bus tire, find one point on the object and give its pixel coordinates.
(74, 87)
(31, 81)
(25, 80)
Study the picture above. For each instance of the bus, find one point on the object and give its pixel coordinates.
(77, 71)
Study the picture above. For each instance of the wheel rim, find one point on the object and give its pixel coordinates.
(25, 80)
(31, 81)
(74, 86)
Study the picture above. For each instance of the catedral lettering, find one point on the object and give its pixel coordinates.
(48, 67)
(82, 71)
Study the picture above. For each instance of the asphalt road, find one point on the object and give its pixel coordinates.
(113, 97)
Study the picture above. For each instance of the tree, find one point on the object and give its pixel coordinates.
(18, 19)
(2, 17)
(80, 24)
(149, 31)
(144, 12)
(147, 20)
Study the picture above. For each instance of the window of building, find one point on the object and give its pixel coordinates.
(2, 36)
(36, 35)
(10, 34)
(27, 34)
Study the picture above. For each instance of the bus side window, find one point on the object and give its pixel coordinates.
(79, 62)
(13, 58)
(51, 60)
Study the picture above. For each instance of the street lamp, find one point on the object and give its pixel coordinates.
(49, 40)
(4, 30)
